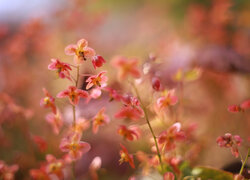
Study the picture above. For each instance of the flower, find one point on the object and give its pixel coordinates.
(245, 104)
(156, 84)
(130, 113)
(126, 157)
(80, 50)
(114, 95)
(74, 147)
(168, 176)
(234, 108)
(7, 172)
(229, 141)
(94, 167)
(54, 166)
(48, 101)
(167, 100)
(73, 94)
(126, 67)
(40, 142)
(39, 174)
(129, 100)
(55, 120)
(61, 68)
(171, 135)
(81, 125)
(97, 80)
(98, 61)
(131, 133)
(100, 119)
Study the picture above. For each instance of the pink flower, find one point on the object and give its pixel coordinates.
(234, 108)
(168, 176)
(54, 166)
(7, 172)
(131, 133)
(97, 80)
(40, 142)
(229, 141)
(171, 136)
(48, 101)
(126, 67)
(81, 125)
(245, 105)
(126, 157)
(81, 51)
(73, 94)
(55, 120)
(61, 68)
(98, 61)
(167, 100)
(130, 101)
(74, 147)
(114, 95)
(39, 174)
(99, 120)
(129, 113)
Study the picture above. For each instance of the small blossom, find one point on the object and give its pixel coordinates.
(81, 125)
(48, 101)
(156, 84)
(73, 94)
(39, 174)
(40, 142)
(97, 80)
(54, 166)
(7, 172)
(114, 95)
(234, 108)
(171, 136)
(245, 105)
(230, 141)
(129, 113)
(130, 101)
(81, 51)
(98, 61)
(55, 120)
(167, 100)
(131, 133)
(168, 176)
(61, 68)
(74, 147)
(99, 120)
(126, 67)
(126, 157)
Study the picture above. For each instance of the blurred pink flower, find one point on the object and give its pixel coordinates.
(126, 157)
(7, 172)
(61, 68)
(97, 80)
(73, 94)
(131, 133)
(54, 166)
(99, 120)
(129, 113)
(98, 61)
(168, 176)
(167, 100)
(55, 120)
(48, 101)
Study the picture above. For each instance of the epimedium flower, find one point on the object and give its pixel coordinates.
(97, 80)
(98, 61)
(54, 166)
(81, 125)
(131, 133)
(100, 119)
(73, 94)
(156, 84)
(80, 50)
(168, 99)
(126, 157)
(168, 176)
(55, 120)
(7, 172)
(126, 67)
(114, 95)
(129, 112)
(40, 142)
(230, 141)
(239, 108)
(48, 101)
(171, 136)
(74, 147)
(39, 174)
(61, 68)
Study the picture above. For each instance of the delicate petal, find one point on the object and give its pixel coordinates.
(70, 49)
(82, 43)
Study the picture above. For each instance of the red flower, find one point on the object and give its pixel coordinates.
(126, 157)
(97, 80)
(131, 133)
(126, 67)
(99, 120)
(74, 147)
(61, 68)
(245, 104)
(55, 120)
(167, 100)
(130, 101)
(48, 101)
(234, 108)
(73, 94)
(39, 174)
(40, 142)
(7, 172)
(229, 141)
(114, 95)
(170, 136)
(168, 176)
(98, 61)
(156, 84)
(54, 166)
(130, 113)
(81, 51)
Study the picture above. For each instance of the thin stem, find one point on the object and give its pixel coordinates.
(244, 162)
(77, 74)
(149, 125)
(73, 170)
(74, 116)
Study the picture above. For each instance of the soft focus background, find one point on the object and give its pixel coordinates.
(211, 34)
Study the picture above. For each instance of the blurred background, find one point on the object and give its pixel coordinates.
(210, 34)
